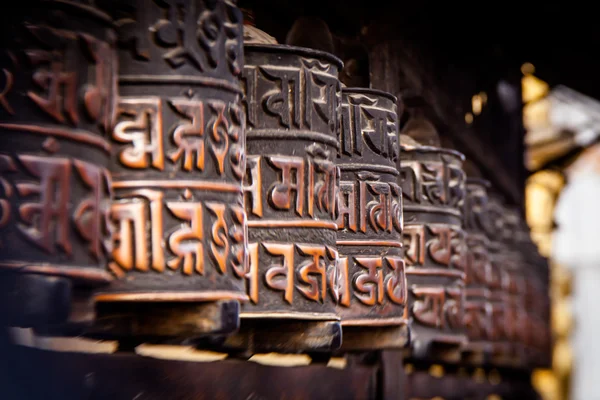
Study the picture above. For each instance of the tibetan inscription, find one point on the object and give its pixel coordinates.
(178, 159)
(58, 89)
(435, 249)
(291, 184)
(503, 325)
(478, 307)
(372, 281)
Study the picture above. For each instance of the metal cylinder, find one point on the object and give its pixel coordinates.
(372, 298)
(478, 309)
(433, 187)
(502, 324)
(516, 310)
(292, 100)
(58, 88)
(179, 242)
(535, 335)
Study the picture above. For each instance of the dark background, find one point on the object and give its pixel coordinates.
(451, 51)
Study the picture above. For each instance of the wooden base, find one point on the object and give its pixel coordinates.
(164, 321)
(44, 302)
(476, 353)
(361, 338)
(285, 336)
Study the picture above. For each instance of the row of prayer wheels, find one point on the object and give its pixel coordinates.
(162, 181)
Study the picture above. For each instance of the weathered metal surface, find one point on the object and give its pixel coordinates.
(372, 298)
(517, 287)
(536, 332)
(292, 101)
(178, 155)
(502, 324)
(433, 187)
(478, 309)
(57, 99)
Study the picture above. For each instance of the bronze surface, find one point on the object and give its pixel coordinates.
(372, 284)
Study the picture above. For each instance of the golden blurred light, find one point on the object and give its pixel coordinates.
(541, 193)
(562, 360)
(479, 375)
(436, 371)
(546, 384)
(468, 118)
(533, 88)
(527, 68)
(476, 104)
(562, 318)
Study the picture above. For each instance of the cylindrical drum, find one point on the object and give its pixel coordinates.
(516, 316)
(292, 100)
(372, 287)
(534, 334)
(478, 309)
(499, 285)
(179, 242)
(58, 88)
(433, 188)
(542, 333)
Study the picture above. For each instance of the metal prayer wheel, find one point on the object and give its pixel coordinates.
(478, 309)
(433, 187)
(372, 286)
(502, 324)
(543, 337)
(292, 101)
(537, 338)
(56, 106)
(179, 233)
(516, 311)
(532, 293)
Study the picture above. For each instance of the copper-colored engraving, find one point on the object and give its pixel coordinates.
(433, 187)
(292, 100)
(478, 307)
(528, 336)
(501, 284)
(372, 284)
(56, 110)
(178, 155)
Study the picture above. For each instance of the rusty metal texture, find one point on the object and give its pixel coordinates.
(292, 101)
(372, 286)
(58, 88)
(178, 156)
(478, 309)
(433, 188)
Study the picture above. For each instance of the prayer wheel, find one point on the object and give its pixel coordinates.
(292, 98)
(178, 159)
(537, 337)
(517, 311)
(372, 286)
(57, 100)
(433, 188)
(502, 324)
(478, 309)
